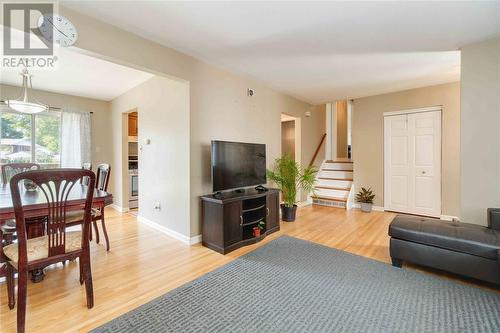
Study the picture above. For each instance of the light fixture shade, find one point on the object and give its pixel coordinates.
(23, 104)
(26, 107)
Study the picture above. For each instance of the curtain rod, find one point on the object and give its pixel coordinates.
(53, 108)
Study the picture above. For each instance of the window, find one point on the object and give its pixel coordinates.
(30, 138)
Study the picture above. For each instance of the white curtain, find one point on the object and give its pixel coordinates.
(75, 138)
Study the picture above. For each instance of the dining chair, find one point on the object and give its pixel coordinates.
(76, 217)
(11, 169)
(54, 186)
(86, 166)
(102, 180)
(8, 229)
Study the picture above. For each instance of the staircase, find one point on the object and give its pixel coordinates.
(334, 184)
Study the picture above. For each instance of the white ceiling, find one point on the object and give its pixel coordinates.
(318, 51)
(79, 75)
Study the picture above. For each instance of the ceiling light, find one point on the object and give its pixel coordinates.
(23, 104)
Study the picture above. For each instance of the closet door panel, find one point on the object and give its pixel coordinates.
(426, 160)
(397, 163)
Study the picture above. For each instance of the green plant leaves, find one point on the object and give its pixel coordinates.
(288, 177)
(365, 195)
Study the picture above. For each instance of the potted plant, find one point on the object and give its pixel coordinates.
(289, 177)
(365, 198)
(257, 229)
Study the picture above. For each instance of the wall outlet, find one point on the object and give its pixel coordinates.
(157, 206)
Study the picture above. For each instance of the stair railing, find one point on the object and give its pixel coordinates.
(317, 150)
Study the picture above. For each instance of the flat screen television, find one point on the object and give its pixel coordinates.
(236, 165)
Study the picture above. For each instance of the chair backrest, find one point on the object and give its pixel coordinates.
(11, 169)
(86, 166)
(102, 179)
(54, 187)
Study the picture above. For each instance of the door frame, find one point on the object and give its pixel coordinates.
(411, 111)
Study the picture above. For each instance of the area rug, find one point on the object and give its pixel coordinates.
(291, 285)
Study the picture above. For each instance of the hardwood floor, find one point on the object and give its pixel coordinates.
(144, 264)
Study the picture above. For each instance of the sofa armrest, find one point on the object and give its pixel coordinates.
(494, 218)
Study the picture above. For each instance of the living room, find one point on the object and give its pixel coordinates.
(215, 76)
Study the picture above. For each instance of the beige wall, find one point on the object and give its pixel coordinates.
(219, 107)
(101, 134)
(312, 132)
(163, 116)
(368, 138)
(480, 131)
(288, 138)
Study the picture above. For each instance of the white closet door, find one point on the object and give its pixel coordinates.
(425, 150)
(397, 164)
(412, 171)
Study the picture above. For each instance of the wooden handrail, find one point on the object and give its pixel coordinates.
(317, 149)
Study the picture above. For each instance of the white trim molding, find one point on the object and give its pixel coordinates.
(169, 232)
(449, 218)
(427, 109)
(119, 208)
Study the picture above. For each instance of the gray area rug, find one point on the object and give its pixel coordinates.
(291, 285)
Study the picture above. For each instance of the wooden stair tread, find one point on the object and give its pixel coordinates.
(337, 170)
(329, 198)
(332, 188)
(346, 179)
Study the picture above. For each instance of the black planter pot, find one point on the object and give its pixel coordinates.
(288, 213)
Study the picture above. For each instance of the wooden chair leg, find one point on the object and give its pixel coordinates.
(96, 230)
(89, 290)
(80, 266)
(104, 230)
(10, 286)
(22, 282)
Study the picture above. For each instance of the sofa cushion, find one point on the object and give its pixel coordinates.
(456, 236)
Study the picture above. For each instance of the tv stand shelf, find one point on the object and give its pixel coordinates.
(228, 218)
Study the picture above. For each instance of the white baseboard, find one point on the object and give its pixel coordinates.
(375, 208)
(449, 217)
(308, 202)
(119, 208)
(169, 232)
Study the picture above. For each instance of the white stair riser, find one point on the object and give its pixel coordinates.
(336, 174)
(334, 183)
(331, 193)
(338, 166)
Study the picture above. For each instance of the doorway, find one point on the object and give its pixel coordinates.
(132, 155)
(290, 137)
(291, 141)
(412, 161)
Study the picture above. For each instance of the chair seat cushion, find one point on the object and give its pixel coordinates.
(456, 236)
(38, 248)
(74, 216)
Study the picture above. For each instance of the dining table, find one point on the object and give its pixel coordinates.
(35, 207)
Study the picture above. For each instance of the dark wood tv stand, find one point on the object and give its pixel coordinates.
(228, 218)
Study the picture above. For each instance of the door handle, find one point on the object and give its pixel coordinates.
(241, 220)
(423, 172)
(267, 211)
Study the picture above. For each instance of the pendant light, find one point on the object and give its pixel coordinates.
(24, 104)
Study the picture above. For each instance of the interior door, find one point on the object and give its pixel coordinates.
(413, 163)
(397, 164)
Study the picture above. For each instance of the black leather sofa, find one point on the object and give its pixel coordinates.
(461, 248)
